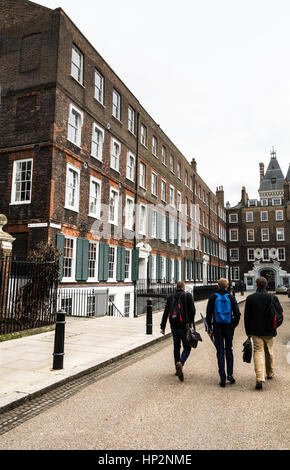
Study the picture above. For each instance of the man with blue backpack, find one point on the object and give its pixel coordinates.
(223, 316)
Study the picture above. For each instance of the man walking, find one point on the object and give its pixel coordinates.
(262, 334)
(222, 316)
(180, 310)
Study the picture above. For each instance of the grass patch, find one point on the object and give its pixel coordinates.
(24, 333)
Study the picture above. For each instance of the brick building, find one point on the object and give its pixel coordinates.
(259, 231)
(78, 154)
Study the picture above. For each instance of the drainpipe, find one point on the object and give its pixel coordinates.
(136, 202)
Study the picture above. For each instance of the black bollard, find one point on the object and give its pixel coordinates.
(149, 317)
(59, 341)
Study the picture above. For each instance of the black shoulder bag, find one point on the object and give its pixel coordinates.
(192, 336)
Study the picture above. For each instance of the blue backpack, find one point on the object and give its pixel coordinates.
(223, 309)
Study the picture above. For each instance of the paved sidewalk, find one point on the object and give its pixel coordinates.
(90, 343)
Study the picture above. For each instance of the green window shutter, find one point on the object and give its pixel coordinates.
(85, 272)
(167, 229)
(60, 246)
(135, 265)
(167, 269)
(120, 263)
(175, 232)
(82, 256)
(176, 270)
(149, 267)
(158, 267)
(103, 261)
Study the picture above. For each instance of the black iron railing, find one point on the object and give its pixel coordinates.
(27, 295)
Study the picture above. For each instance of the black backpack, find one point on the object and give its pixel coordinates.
(177, 315)
(273, 315)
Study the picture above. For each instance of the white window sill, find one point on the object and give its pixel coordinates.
(113, 223)
(71, 209)
(145, 146)
(92, 280)
(118, 171)
(97, 158)
(132, 133)
(74, 143)
(67, 280)
(142, 187)
(98, 101)
(76, 80)
(19, 203)
(94, 216)
(130, 179)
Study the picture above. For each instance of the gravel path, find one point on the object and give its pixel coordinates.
(144, 406)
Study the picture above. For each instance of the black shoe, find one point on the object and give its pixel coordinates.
(259, 386)
(270, 377)
(231, 379)
(222, 384)
(179, 371)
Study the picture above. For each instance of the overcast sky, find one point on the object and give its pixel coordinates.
(215, 74)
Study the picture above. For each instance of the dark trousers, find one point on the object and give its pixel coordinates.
(223, 339)
(179, 336)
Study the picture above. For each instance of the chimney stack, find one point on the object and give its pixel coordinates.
(262, 171)
(245, 197)
(220, 195)
(193, 164)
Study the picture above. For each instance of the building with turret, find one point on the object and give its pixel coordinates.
(258, 230)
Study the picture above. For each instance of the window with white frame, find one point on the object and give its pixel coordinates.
(186, 179)
(191, 183)
(235, 273)
(266, 254)
(69, 259)
(95, 198)
(143, 175)
(234, 235)
(93, 261)
(99, 87)
(252, 202)
(279, 215)
(115, 154)
(72, 188)
(154, 183)
(172, 196)
(77, 64)
(250, 235)
(280, 234)
(178, 169)
(233, 218)
(113, 206)
(128, 256)
(163, 190)
(154, 146)
(249, 216)
(127, 304)
(234, 254)
(251, 254)
(98, 136)
(112, 264)
(116, 108)
(143, 135)
(142, 219)
(163, 153)
(264, 216)
(131, 119)
(130, 173)
(179, 201)
(154, 224)
(281, 254)
(129, 213)
(75, 121)
(265, 234)
(276, 201)
(171, 231)
(264, 202)
(163, 228)
(22, 182)
(172, 163)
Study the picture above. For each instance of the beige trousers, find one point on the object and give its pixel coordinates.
(263, 356)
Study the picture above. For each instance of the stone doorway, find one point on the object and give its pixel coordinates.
(269, 274)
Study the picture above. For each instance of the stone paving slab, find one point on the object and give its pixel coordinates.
(26, 363)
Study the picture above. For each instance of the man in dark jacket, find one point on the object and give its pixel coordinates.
(223, 332)
(256, 327)
(183, 302)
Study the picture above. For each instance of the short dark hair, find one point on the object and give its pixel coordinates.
(262, 282)
(180, 285)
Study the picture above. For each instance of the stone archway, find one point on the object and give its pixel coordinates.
(269, 274)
